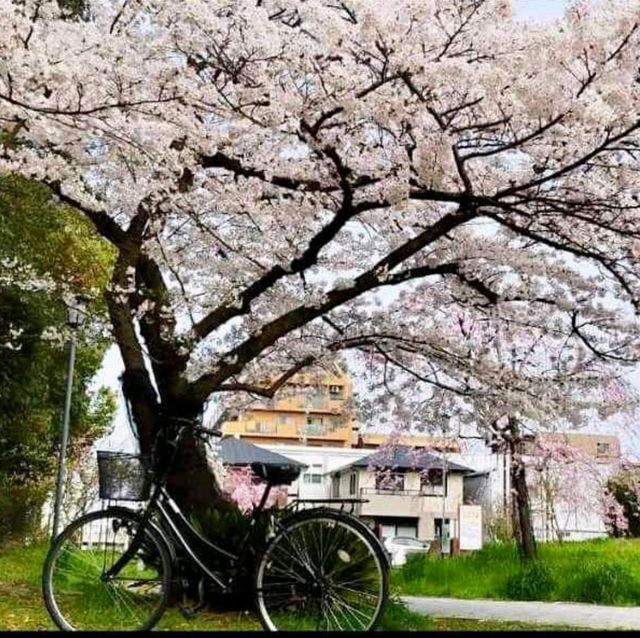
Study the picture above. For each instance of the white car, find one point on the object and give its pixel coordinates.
(399, 546)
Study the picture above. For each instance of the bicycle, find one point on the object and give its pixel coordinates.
(119, 569)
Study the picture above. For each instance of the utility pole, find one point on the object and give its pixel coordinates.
(444, 498)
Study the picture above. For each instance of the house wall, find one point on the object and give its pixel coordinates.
(328, 459)
(408, 504)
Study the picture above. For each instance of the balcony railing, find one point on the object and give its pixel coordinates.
(400, 491)
(261, 428)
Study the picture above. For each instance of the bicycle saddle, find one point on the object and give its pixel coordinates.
(276, 474)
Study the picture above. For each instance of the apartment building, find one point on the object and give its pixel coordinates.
(314, 410)
(373, 440)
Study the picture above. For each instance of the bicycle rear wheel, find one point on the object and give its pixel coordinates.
(321, 573)
(78, 593)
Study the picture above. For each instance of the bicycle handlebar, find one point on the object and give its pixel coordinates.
(190, 424)
(206, 431)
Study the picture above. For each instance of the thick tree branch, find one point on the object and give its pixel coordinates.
(103, 223)
(268, 391)
(375, 277)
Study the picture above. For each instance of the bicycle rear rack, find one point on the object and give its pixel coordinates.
(350, 503)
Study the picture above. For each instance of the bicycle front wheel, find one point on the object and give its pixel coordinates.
(79, 592)
(321, 573)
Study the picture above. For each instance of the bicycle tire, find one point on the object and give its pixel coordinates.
(354, 520)
(312, 591)
(122, 596)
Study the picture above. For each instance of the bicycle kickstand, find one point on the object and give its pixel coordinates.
(190, 612)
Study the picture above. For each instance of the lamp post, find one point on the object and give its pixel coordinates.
(75, 314)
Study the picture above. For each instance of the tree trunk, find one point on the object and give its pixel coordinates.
(521, 508)
(192, 482)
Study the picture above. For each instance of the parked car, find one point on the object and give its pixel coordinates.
(400, 546)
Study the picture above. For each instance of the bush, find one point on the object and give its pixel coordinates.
(228, 528)
(606, 584)
(625, 489)
(532, 581)
(21, 510)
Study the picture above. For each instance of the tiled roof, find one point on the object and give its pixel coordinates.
(406, 458)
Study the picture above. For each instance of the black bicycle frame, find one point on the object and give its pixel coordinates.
(173, 519)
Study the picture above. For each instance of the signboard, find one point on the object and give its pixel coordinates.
(470, 525)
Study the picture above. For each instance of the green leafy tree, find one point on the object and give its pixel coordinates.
(54, 242)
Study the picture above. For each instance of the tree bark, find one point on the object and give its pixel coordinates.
(192, 483)
(521, 508)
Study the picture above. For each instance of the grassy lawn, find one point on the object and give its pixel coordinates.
(605, 571)
(21, 606)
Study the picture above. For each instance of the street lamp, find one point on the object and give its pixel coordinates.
(75, 314)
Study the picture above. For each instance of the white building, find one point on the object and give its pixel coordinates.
(418, 504)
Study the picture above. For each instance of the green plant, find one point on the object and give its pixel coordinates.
(607, 583)
(532, 581)
(234, 531)
(624, 487)
(500, 527)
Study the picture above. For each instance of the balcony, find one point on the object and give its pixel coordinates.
(434, 490)
(261, 428)
(323, 428)
(382, 502)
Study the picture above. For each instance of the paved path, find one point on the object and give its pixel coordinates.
(575, 614)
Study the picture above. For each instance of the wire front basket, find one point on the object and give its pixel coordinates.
(123, 477)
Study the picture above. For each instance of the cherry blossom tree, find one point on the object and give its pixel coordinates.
(267, 171)
(556, 469)
(621, 503)
(244, 489)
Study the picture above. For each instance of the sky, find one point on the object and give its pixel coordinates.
(540, 10)
(121, 438)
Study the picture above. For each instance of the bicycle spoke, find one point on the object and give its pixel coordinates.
(81, 595)
(334, 561)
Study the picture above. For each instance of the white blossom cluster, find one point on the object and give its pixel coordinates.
(448, 194)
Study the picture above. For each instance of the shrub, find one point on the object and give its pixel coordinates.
(532, 581)
(606, 584)
(21, 510)
(232, 530)
(624, 488)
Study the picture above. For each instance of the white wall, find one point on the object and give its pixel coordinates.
(578, 525)
(319, 459)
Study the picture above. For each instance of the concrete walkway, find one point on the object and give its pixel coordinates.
(574, 614)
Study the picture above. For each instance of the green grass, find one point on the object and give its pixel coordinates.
(604, 571)
(21, 606)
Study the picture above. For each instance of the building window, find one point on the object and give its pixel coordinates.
(315, 426)
(432, 482)
(353, 483)
(603, 449)
(319, 400)
(314, 476)
(283, 419)
(335, 487)
(336, 391)
(386, 482)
